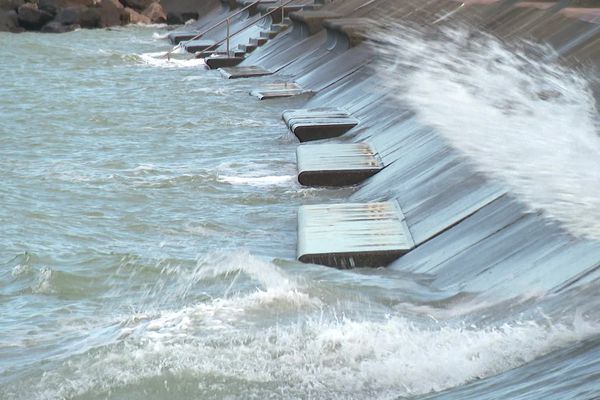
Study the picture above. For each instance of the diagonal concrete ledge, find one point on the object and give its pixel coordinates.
(336, 164)
(318, 123)
(352, 235)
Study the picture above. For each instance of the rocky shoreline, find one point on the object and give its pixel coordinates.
(58, 16)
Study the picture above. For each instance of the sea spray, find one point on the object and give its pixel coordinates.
(518, 117)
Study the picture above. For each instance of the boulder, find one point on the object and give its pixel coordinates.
(69, 15)
(138, 5)
(50, 6)
(156, 13)
(111, 13)
(134, 17)
(57, 27)
(31, 17)
(9, 21)
(90, 18)
(11, 4)
(180, 18)
(86, 17)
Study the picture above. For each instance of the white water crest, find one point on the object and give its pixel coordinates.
(160, 59)
(528, 121)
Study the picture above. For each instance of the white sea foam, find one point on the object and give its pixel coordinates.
(525, 120)
(314, 357)
(279, 338)
(157, 35)
(162, 61)
(272, 180)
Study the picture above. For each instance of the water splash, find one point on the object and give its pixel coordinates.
(316, 357)
(523, 119)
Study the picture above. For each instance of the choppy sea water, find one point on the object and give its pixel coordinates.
(147, 246)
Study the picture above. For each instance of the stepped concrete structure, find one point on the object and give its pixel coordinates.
(418, 205)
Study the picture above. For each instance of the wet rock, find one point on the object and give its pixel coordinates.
(181, 17)
(57, 27)
(112, 13)
(86, 17)
(134, 17)
(138, 5)
(31, 17)
(11, 4)
(156, 13)
(9, 22)
(181, 11)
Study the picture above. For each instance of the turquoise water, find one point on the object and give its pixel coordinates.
(147, 247)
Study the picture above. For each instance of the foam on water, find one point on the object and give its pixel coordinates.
(160, 59)
(527, 121)
(222, 348)
(273, 180)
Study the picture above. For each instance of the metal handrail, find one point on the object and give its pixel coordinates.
(226, 39)
(212, 27)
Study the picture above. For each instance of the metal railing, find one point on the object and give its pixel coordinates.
(229, 36)
(204, 32)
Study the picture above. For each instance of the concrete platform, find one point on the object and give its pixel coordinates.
(178, 37)
(318, 123)
(352, 235)
(194, 46)
(279, 90)
(244, 72)
(222, 62)
(336, 164)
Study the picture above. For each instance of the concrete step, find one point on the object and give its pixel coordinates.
(221, 62)
(279, 27)
(195, 46)
(268, 34)
(214, 53)
(178, 37)
(244, 72)
(258, 41)
(336, 164)
(247, 48)
(318, 123)
(279, 90)
(353, 235)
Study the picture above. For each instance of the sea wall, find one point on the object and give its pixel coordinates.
(472, 232)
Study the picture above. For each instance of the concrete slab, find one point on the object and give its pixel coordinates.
(318, 123)
(279, 90)
(336, 164)
(178, 37)
(352, 235)
(244, 72)
(222, 62)
(194, 46)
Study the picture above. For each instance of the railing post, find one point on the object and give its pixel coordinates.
(227, 37)
(282, 12)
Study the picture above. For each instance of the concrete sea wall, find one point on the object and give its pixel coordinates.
(448, 220)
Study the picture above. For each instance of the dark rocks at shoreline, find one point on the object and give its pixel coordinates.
(58, 16)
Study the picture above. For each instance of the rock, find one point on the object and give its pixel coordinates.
(50, 6)
(156, 13)
(181, 11)
(138, 4)
(69, 15)
(31, 17)
(133, 17)
(11, 4)
(90, 18)
(111, 13)
(180, 18)
(86, 17)
(9, 22)
(57, 27)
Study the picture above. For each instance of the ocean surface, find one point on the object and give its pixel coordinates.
(147, 251)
